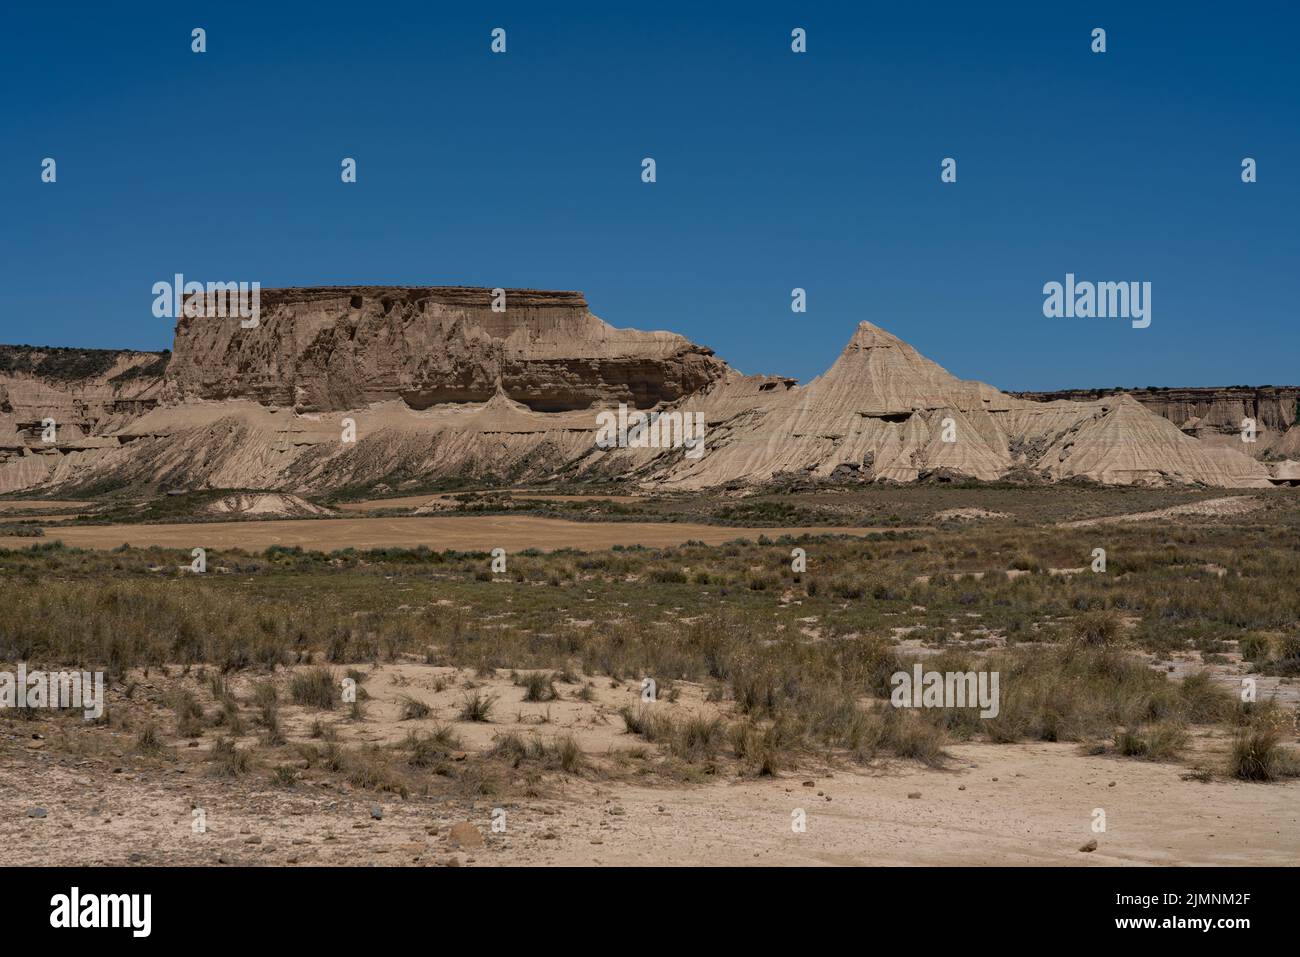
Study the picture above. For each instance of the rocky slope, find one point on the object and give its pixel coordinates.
(89, 393)
(1214, 415)
(884, 412)
(354, 387)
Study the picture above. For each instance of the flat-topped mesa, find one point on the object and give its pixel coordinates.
(343, 347)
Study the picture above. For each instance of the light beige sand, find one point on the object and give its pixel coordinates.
(17, 505)
(461, 532)
(1208, 508)
(1021, 804)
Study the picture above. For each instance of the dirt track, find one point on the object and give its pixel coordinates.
(461, 532)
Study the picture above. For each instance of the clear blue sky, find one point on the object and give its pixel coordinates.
(775, 170)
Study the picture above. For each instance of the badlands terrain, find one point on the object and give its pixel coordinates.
(384, 390)
(829, 536)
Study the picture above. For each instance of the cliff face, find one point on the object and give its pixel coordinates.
(89, 393)
(1214, 414)
(328, 349)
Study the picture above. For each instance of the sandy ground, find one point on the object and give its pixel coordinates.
(1029, 803)
(1208, 508)
(415, 501)
(18, 505)
(462, 532)
(377, 504)
(1002, 804)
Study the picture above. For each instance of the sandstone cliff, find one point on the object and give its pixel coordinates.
(328, 349)
(89, 393)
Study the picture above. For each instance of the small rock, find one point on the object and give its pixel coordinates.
(465, 834)
(36, 812)
(376, 812)
(914, 794)
(254, 839)
(810, 784)
(1089, 847)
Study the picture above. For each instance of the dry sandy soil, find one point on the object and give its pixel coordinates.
(415, 501)
(18, 505)
(1030, 803)
(1208, 508)
(461, 532)
(1009, 805)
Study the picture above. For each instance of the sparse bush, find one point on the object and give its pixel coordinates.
(229, 760)
(412, 709)
(1097, 628)
(149, 741)
(538, 686)
(315, 688)
(476, 706)
(1163, 741)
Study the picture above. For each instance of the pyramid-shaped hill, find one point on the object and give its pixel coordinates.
(885, 412)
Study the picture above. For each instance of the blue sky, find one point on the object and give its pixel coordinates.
(775, 170)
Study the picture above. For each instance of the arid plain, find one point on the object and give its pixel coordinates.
(500, 716)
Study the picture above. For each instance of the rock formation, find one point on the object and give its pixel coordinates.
(355, 387)
(884, 412)
(330, 349)
(1214, 415)
(89, 393)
